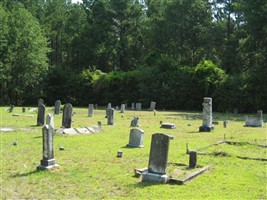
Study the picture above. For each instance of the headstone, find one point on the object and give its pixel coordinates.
(136, 138)
(57, 107)
(207, 115)
(110, 116)
(48, 161)
(122, 108)
(117, 108)
(225, 124)
(134, 122)
(23, 109)
(40, 102)
(82, 130)
(192, 159)
(41, 115)
(109, 106)
(152, 105)
(168, 125)
(96, 106)
(255, 121)
(69, 131)
(67, 115)
(132, 107)
(11, 108)
(138, 106)
(90, 110)
(157, 159)
(119, 153)
(50, 120)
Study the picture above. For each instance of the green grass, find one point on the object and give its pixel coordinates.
(90, 169)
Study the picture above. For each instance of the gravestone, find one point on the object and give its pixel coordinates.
(48, 161)
(132, 107)
(192, 159)
(57, 107)
(41, 115)
(40, 102)
(11, 108)
(158, 158)
(134, 122)
(122, 108)
(96, 106)
(23, 109)
(255, 121)
(109, 106)
(168, 125)
(50, 120)
(138, 106)
(90, 110)
(225, 124)
(110, 116)
(67, 115)
(207, 115)
(152, 105)
(136, 138)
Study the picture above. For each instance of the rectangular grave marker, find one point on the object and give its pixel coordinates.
(67, 115)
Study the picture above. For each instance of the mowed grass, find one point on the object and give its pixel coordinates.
(90, 169)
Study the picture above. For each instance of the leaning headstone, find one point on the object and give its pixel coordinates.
(50, 120)
(90, 110)
(122, 108)
(41, 115)
(158, 158)
(136, 138)
(207, 115)
(57, 107)
(67, 115)
(134, 122)
(132, 107)
(110, 116)
(48, 161)
(255, 121)
(152, 105)
(138, 106)
(40, 102)
(192, 159)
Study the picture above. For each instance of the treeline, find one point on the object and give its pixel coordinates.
(173, 52)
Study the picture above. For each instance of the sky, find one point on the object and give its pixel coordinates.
(76, 1)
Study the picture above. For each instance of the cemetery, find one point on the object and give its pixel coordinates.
(128, 153)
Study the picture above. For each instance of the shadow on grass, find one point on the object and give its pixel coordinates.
(26, 174)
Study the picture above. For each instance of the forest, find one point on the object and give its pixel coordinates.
(173, 52)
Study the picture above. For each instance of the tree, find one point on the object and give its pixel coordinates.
(25, 60)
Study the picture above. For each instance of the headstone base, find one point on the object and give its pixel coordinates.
(154, 178)
(205, 128)
(47, 164)
(132, 145)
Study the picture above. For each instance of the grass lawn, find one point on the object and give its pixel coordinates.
(90, 169)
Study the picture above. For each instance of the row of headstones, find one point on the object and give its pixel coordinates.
(66, 117)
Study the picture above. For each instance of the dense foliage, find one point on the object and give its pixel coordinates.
(99, 51)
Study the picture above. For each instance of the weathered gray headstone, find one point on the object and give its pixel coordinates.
(192, 159)
(157, 159)
(132, 107)
(57, 107)
(152, 105)
(136, 138)
(134, 122)
(122, 108)
(48, 161)
(41, 115)
(40, 102)
(109, 106)
(50, 120)
(90, 110)
(138, 106)
(67, 115)
(207, 115)
(255, 121)
(110, 116)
